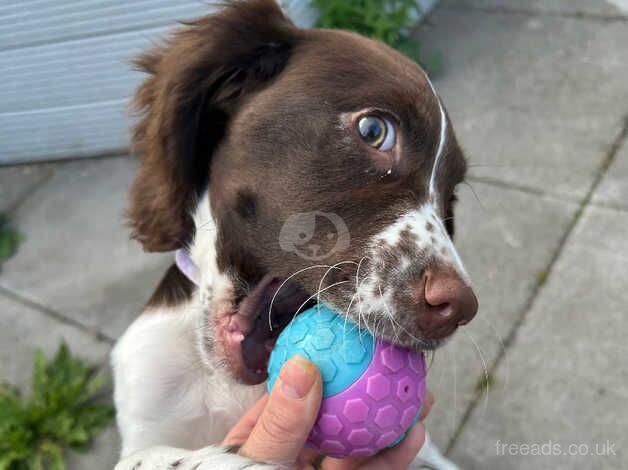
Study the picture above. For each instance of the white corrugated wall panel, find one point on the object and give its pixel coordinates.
(65, 71)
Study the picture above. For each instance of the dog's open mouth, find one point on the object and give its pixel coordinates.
(249, 333)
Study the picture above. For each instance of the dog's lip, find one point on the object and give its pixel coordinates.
(250, 330)
(231, 335)
(440, 333)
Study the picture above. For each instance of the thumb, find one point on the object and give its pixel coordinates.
(282, 429)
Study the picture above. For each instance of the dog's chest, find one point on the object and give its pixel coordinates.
(164, 394)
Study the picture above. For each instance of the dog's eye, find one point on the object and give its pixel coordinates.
(377, 132)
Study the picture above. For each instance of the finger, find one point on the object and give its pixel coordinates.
(240, 432)
(286, 421)
(400, 456)
(428, 401)
(350, 463)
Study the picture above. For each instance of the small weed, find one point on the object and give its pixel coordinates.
(485, 383)
(62, 412)
(9, 238)
(541, 277)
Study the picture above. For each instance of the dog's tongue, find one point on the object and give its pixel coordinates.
(265, 325)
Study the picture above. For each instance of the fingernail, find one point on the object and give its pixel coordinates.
(297, 377)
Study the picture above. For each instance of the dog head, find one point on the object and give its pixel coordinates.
(299, 165)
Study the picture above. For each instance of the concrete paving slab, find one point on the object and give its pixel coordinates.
(17, 181)
(76, 257)
(22, 331)
(506, 240)
(102, 454)
(613, 189)
(536, 101)
(565, 381)
(574, 7)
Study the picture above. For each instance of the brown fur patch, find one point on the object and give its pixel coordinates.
(173, 289)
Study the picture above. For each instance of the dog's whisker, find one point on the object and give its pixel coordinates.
(357, 278)
(320, 284)
(316, 294)
(395, 322)
(366, 325)
(475, 195)
(390, 319)
(484, 366)
(360, 313)
(502, 346)
(429, 360)
(353, 297)
(270, 308)
(346, 319)
(494, 165)
(205, 225)
(455, 371)
(451, 410)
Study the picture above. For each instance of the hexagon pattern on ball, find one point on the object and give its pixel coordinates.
(373, 391)
(330, 341)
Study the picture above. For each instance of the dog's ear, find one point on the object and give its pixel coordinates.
(197, 79)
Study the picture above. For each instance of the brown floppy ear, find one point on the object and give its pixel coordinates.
(197, 79)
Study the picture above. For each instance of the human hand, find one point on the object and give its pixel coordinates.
(275, 429)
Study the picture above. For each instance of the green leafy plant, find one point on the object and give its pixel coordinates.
(390, 21)
(62, 412)
(9, 238)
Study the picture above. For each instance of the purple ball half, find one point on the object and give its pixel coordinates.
(377, 409)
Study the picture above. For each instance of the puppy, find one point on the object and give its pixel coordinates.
(287, 166)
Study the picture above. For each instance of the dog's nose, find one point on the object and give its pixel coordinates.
(449, 302)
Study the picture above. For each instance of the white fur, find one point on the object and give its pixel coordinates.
(165, 393)
(203, 248)
(174, 405)
(168, 392)
(207, 458)
(441, 143)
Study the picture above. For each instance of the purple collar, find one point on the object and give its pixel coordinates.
(185, 264)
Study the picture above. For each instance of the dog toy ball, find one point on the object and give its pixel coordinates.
(372, 390)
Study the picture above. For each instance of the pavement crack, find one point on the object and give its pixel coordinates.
(28, 192)
(98, 335)
(508, 185)
(585, 202)
(522, 188)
